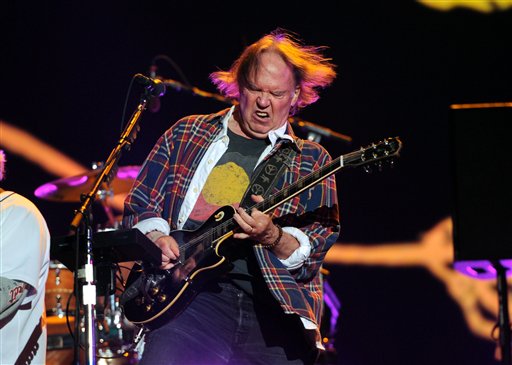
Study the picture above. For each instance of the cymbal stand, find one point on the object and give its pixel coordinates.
(88, 283)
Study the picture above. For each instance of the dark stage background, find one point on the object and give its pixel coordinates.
(66, 71)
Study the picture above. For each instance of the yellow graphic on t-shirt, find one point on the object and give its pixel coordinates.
(225, 185)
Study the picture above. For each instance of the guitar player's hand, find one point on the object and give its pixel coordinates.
(256, 226)
(259, 227)
(170, 251)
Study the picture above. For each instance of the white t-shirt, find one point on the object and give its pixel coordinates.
(25, 256)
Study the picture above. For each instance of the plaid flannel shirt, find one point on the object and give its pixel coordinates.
(166, 174)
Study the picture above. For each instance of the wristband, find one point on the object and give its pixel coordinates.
(279, 236)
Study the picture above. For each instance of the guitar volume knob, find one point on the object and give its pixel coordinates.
(162, 298)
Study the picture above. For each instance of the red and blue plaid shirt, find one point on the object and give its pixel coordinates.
(165, 176)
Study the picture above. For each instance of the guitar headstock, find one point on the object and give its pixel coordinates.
(376, 154)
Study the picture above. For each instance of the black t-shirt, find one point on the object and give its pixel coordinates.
(226, 185)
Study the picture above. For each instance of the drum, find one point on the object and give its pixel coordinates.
(59, 290)
(59, 320)
(114, 334)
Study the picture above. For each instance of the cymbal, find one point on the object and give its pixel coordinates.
(70, 189)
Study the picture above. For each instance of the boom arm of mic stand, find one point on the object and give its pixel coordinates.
(317, 131)
(178, 86)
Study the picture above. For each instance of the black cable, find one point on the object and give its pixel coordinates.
(125, 106)
(174, 66)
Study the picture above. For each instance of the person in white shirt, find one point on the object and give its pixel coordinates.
(24, 264)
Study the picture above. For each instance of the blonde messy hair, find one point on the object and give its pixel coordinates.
(312, 70)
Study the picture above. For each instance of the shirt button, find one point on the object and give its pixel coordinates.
(195, 190)
(210, 161)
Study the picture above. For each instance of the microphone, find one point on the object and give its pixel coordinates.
(154, 86)
(154, 103)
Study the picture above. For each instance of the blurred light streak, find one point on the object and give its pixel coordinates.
(481, 6)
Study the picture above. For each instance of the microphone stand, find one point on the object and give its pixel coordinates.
(87, 273)
(315, 132)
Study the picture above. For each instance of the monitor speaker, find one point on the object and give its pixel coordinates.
(481, 153)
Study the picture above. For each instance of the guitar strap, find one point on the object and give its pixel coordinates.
(27, 355)
(267, 173)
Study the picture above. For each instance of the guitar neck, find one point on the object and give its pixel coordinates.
(300, 185)
(374, 153)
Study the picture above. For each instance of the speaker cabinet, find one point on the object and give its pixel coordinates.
(481, 143)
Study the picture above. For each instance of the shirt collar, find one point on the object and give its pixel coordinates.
(224, 123)
(279, 133)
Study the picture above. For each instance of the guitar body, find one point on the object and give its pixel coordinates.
(155, 296)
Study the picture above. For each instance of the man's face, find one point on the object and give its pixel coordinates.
(266, 101)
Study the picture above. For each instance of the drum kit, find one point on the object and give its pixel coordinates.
(114, 333)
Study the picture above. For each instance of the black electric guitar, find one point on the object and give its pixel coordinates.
(153, 296)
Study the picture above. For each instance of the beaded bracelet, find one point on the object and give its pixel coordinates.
(279, 236)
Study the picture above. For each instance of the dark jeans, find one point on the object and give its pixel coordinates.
(224, 325)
